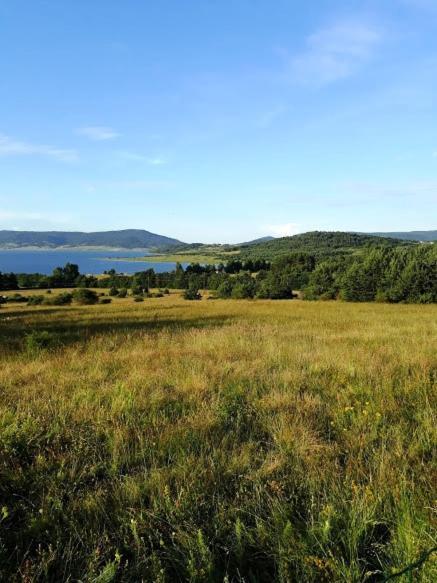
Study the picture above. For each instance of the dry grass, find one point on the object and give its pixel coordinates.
(217, 440)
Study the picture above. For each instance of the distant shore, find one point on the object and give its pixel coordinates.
(175, 258)
(77, 248)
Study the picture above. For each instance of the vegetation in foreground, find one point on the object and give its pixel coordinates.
(217, 441)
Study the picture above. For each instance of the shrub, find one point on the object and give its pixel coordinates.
(105, 301)
(122, 292)
(39, 340)
(62, 299)
(138, 299)
(224, 290)
(17, 298)
(35, 300)
(192, 293)
(155, 295)
(113, 291)
(85, 296)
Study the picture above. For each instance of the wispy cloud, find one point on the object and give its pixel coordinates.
(434, 154)
(97, 133)
(156, 161)
(267, 118)
(335, 52)
(123, 185)
(152, 161)
(12, 147)
(283, 230)
(365, 193)
(9, 216)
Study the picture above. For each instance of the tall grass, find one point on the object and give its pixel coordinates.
(217, 441)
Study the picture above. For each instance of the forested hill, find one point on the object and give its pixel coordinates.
(319, 243)
(411, 235)
(125, 239)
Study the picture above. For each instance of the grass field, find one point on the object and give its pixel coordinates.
(217, 440)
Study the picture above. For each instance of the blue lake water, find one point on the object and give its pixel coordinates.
(95, 262)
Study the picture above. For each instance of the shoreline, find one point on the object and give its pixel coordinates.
(169, 259)
(80, 248)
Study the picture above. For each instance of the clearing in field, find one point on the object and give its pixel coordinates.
(219, 440)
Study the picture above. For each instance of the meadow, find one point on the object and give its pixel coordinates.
(218, 440)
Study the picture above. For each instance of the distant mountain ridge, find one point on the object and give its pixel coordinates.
(410, 235)
(125, 239)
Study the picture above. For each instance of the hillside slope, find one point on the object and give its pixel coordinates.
(127, 239)
(318, 243)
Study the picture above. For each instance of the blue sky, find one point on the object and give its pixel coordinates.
(218, 120)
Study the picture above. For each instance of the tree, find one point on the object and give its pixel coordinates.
(192, 293)
(85, 296)
(243, 287)
(65, 276)
(8, 281)
(224, 290)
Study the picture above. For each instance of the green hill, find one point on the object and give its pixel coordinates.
(126, 239)
(318, 243)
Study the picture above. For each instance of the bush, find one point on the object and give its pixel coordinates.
(192, 293)
(105, 301)
(17, 298)
(138, 299)
(35, 300)
(39, 340)
(224, 290)
(122, 292)
(113, 291)
(85, 296)
(62, 299)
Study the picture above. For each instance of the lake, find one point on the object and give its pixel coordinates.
(95, 262)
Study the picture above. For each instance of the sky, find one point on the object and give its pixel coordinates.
(218, 120)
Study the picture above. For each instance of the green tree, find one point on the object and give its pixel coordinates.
(85, 296)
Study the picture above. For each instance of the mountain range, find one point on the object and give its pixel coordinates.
(142, 239)
(124, 239)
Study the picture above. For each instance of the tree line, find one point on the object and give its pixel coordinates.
(389, 274)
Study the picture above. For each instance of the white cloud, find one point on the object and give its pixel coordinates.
(154, 161)
(97, 133)
(10, 216)
(12, 147)
(33, 217)
(284, 230)
(335, 53)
